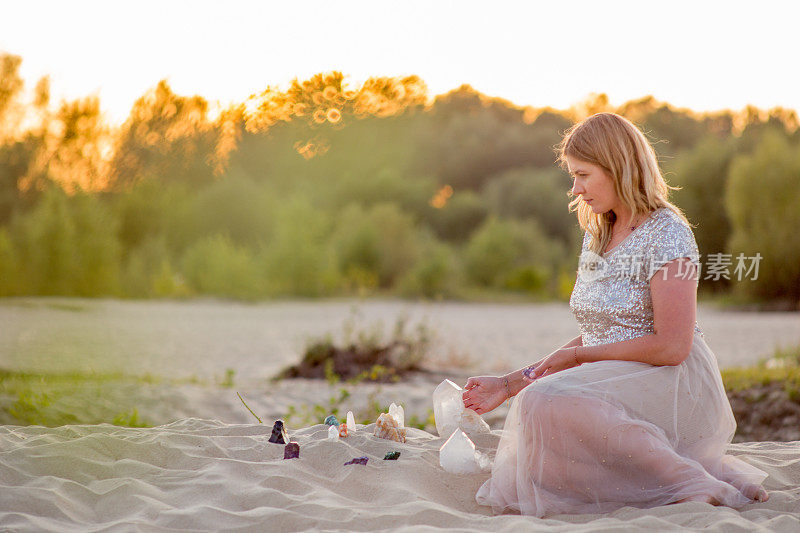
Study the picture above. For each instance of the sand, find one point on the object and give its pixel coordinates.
(205, 338)
(207, 465)
(206, 475)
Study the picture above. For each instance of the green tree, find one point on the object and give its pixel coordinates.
(379, 243)
(21, 165)
(217, 266)
(762, 203)
(298, 259)
(541, 194)
(702, 175)
(46, 238)
(68, 246)
(500, 250)
(435, 274)
(9, 266)
(458, 218)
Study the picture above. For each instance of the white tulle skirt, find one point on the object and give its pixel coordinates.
(609, 434)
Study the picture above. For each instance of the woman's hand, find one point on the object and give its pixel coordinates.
(561, 359)
(482, 394)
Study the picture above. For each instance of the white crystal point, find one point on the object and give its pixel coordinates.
(447, 407)
(333, 433)
(471, 422)
(398, 413)
(449, 412)
(351, 421)
(458, 455)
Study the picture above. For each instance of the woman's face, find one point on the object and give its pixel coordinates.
(593, 185)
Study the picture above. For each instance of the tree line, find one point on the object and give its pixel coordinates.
(324, 189)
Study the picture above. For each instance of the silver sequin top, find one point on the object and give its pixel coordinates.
(611, 298)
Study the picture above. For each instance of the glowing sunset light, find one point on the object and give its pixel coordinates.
(701, 55)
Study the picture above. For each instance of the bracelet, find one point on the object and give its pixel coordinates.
(508, 392)
(577, 363)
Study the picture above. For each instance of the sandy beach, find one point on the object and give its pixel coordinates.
(204, 338)
(207, 464)
(206, 475)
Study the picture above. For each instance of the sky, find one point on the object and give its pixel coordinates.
(704, 55)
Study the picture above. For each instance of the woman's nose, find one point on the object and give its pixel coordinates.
(577, 189)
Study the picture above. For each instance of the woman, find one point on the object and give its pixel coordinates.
(632, 411)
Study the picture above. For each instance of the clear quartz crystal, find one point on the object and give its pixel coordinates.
(450, 414)
(351, 421)
(333, 433)
(447, 407)
(458, 455)
(397, 412)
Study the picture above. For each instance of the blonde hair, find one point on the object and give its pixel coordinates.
(616, 145)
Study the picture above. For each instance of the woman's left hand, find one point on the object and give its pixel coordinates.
(561, 359)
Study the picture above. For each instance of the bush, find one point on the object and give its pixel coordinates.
(218, 267)
(9, 268)
(298, 261)
(97, 247)
(379, 244)
(68, 246)
(433, 275)
(511, 254)
(143, 266)
(237, 208)
(459, 217)
(525, 193)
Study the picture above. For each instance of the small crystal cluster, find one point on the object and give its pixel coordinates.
(357, 461)
(332, 421)
(390, 425)
(386, 427)
(391, 456)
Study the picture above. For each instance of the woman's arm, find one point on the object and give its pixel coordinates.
(673, 291)
(517, 381)
(484, 393)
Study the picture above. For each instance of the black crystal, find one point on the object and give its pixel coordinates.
(279, 433)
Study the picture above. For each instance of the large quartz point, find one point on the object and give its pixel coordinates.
(458, 455)
(351, 421)
(450, 414)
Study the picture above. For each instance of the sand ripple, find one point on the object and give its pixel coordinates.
(203, 475)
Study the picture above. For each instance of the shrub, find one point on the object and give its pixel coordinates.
(298, 260)
(378, 244)
(511, 254)
(68, 246)
(433, 275)
(216, 266)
